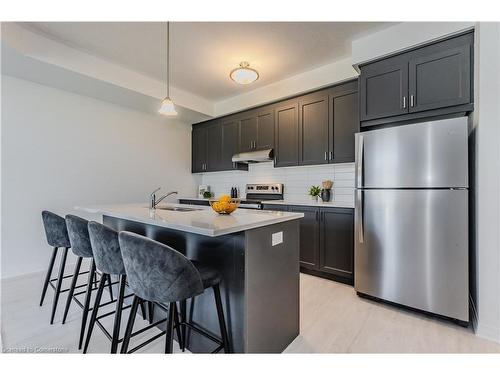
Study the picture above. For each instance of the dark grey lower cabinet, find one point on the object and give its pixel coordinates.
(326, 241)
(337, 242)
(309, 236)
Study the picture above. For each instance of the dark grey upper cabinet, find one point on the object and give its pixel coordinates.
(265, 128)
(248, 130)
(256, 129)
(313, 128)
(344, 121)
(436, 79)
(199, 149)
(214, 147)
(384, 88)
(440, 79)
(286, 134)
(229, 133)
(337, 241)
(309, 236)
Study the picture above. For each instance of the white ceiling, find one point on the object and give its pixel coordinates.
(203, 53)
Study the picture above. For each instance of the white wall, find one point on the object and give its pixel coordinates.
(297, 180)
(487, 125)
(61, 149)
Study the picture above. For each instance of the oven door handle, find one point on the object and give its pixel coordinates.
(251, 206)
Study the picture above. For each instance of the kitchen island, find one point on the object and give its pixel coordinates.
(257, 253)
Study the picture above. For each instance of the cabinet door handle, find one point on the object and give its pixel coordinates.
(331, 155)
(326, 155)
(412, 100)
(254, 145)
(404, 102)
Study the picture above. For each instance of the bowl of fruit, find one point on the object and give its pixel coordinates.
(224, 205)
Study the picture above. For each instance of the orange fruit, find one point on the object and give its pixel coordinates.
(225, 198)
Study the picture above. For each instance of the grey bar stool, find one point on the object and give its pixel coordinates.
(108, 260)
(80, 245)
(57, 237)
(160, 274)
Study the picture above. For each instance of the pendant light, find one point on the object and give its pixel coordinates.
(167, 105)
(244, 74)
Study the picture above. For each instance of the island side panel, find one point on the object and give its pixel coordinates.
(226, 254)
(272, 288)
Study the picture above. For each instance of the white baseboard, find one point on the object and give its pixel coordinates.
(488, 332)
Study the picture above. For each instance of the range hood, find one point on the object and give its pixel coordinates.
(253, 156)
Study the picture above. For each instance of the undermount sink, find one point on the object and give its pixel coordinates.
(180, 209)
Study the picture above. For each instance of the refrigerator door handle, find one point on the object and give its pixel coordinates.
(361, 234)
(360, 162)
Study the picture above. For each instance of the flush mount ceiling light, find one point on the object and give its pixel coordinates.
(244, 74)
(167, 106)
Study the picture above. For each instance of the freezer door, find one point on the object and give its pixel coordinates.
(411, 247)
(424, 155)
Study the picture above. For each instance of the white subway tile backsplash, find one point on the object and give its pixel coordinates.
(297, 180)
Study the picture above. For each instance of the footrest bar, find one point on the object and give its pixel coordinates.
(203, 332)
(112, 312)
(146, 342)
(148, 327)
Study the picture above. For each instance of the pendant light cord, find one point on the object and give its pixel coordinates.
(168, 59)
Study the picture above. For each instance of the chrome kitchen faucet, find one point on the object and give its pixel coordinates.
(153, 202)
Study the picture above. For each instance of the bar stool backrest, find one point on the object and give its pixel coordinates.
(78, 232)
(55, 230)
(106, 249)
(156, 272)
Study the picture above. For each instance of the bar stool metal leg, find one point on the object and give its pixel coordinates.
(118, 314)
(130, 325)
(49, 274)
(220, 315)
(87, 303)
(95, 309)
(183, 327)
(59, 283)
(110, 286)
(169, 342)
(143, 309)
(177, 325)
(76, 273)
(151, 310)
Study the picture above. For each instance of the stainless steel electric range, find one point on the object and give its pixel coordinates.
(255, 194)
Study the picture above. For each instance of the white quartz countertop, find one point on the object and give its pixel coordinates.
(203, 221)
(291, 202)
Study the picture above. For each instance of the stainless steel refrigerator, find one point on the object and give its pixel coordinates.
(411, 216)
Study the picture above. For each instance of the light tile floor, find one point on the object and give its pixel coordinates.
(333, 320)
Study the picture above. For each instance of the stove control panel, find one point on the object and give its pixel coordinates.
(264, 188)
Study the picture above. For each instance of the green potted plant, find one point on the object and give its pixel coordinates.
(314, 192)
